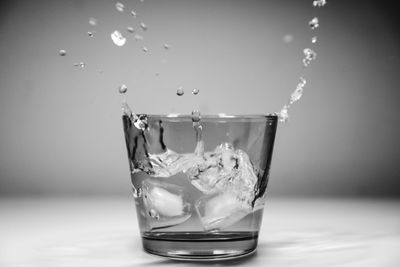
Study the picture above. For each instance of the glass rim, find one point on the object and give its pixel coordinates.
(214, 117)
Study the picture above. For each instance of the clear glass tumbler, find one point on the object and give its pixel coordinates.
(199, 185)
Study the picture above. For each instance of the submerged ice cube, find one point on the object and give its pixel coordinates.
(225, 169)
(221, 210)
(165, 204)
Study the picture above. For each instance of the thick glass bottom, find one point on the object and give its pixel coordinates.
(200, 246)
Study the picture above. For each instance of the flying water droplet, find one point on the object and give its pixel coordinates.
(309, 55)
(130, 29)
(143, 26)
(319, 3)
(93, 21)
(166, 46)
(120, 7)
(314, 39)
(118, 38)
(195, 91)
(138, 37)
(80, 64)
(90, 34)
(145, 49)
(314, 23)
(133, 13)
(180, 91)
(122, 89)
(62, 52)
(298, 92)
(288, 38)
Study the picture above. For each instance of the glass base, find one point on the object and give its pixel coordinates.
(200, 246)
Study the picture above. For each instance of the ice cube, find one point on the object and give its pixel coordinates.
(170, 163)
(222, 170)
(165, 204)
(219, 211)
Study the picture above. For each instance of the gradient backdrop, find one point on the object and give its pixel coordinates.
(61, 130)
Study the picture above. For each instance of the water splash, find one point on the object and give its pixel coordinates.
(196, 119)
(298, 92)
(130, 29)
(180, 91)
(122, 89)
(118, 38)
(195, 91)
(283, 115)
(153, 214)
(319, 3)
(62, 52)
(120, 7)
(90, 34)
(309, 55)
(314, 23)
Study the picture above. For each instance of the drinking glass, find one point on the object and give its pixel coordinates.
(199, 185)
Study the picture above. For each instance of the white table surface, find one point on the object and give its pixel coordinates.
(103, 232)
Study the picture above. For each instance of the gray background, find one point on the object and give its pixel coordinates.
(61, 131)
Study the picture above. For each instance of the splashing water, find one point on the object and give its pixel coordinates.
(195, 91)
(314, 23)
(319, 3)
(309, 55)
(180, 91)
(118, 38)
(62, 52)
(298, 92)
(120, 7)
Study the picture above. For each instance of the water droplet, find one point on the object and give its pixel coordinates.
(284, 114)
(288, 38)
(314, 23)
(122, 89)
(118, 38)
(153, 214)
(93, 21)
(309, 55)
(80, 64)
(298, 92)
(180, 91)
(314, 39)
(319, 3)
(166, 46)
(120, 7)
(90, 34)
(143, 26)
(133, 13)
(62, 52)
(196, 116)
(130, 29)
(145, 49)
(195, 91)
(138, 37)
